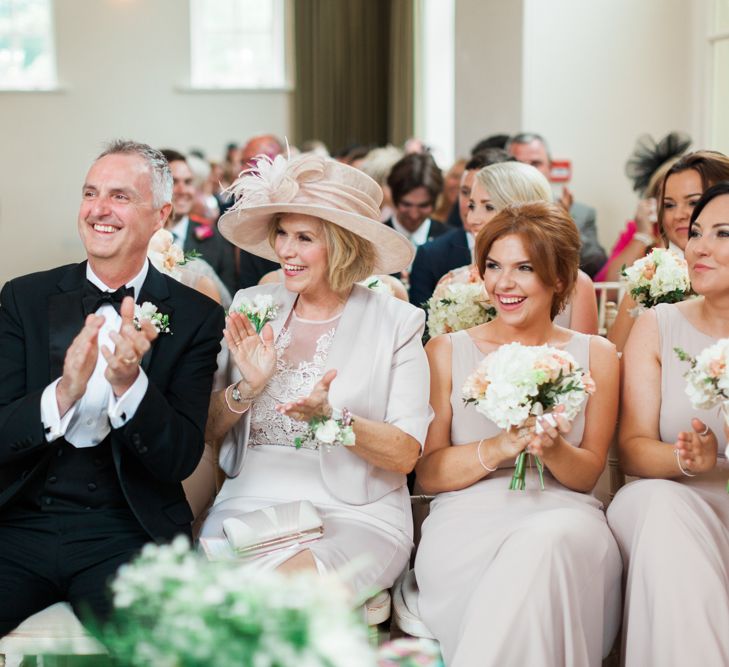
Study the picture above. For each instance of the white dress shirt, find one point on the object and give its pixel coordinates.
(179, 231)
(419, 236)
(92, 417)
(471, 240)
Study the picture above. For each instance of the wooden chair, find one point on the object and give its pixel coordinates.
(608, 295)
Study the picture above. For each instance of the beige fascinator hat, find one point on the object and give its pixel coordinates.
(316, 186)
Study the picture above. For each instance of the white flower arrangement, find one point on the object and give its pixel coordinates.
(659, 277)
(259, 311)
(148, 311)
(173, 607)
(458, 302)
(376, 284)
(516, 382)
(166, 256)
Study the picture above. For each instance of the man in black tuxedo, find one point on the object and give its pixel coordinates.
(101, 415)
(192, 232)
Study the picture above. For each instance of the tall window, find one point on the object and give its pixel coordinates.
(237, 44)
(719, 40)
(27, 58)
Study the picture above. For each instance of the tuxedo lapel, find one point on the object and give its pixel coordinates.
(65, 317)
(155, 291)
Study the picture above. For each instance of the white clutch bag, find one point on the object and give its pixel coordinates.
(271, 528)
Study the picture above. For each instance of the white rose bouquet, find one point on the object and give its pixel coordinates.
(173, 607)
(517, 382)
(458, 302)
(659, 277)
(259, 311)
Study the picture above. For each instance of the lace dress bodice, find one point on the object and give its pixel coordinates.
(301, 354)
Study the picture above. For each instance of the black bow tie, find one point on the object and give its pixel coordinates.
(93, 298)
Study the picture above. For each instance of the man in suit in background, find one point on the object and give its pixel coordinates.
(192, 232)
(250, 267)
(454, 248)
(102, 412)
(532, 148)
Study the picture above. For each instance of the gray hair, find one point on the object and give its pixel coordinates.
(379, 162)
(514, 182)
(159, 168)
(527, 138)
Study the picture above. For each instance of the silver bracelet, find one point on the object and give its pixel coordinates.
(237, 397)
(644, 238)
(688, 473)
(480, 460)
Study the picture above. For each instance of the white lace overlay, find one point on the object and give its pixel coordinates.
(301, 349)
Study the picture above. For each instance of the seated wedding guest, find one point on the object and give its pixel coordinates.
(673, 529)
(454, 248)
(647, 168)
(510, 577)
(448, 197)
(415, 183)
(492, 141)
(332, 348)
(191, 232)
(500, 185)
(252, 268)
(100, 420)
(532, 149)
(680, 190)
(205, 205)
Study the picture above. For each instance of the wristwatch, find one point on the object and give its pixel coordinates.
(235, 394)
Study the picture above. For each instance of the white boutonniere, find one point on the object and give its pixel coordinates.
(259, 311)
(148, 311)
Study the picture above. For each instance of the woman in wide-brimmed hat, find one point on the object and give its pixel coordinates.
(333, 350)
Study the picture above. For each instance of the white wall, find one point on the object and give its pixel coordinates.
(591, 76)
(488, 61)
(122, 65)
(598, 74)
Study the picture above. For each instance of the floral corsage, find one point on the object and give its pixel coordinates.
(259, 311)
(148, 311)
(329, 431)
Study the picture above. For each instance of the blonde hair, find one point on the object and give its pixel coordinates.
(350, 257)
(514, 182)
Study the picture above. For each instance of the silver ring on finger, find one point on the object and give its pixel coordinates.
(705, 431)
(129, 360)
